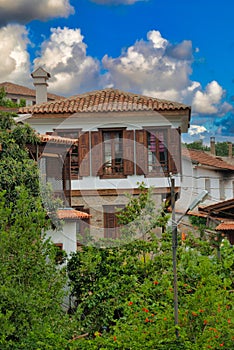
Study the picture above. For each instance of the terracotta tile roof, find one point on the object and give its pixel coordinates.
(203, 158)
(16, 89)
(72, 214)
(228, 225)
(198, 214)
(107, 100)
(57, 139)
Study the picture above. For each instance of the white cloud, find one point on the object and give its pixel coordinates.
(196, 129)
(210, 100)
(154, 66)
(23, 11)
(63, 55)
(14, 56)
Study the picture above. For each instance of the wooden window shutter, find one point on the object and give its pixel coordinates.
(128, 152)
(67, 176)
(174, 151)
(141, 152)
(84, 158)
(97, 153)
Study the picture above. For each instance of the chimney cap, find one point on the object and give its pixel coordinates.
(40, 73)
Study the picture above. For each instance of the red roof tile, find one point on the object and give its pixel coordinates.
(203, 158)
(57, 139)
(72, 214)
(107, 100)
(16, 89)
(228, 225)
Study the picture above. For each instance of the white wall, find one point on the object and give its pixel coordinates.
(66, 236)
(193, 181)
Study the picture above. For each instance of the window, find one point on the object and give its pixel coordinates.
(157, 151)
(112, 152)
(74, 157)
(111, 226)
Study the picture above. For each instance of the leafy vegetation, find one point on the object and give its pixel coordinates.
(221, 148)
(123, 292)
(16, 167)
(126, 302)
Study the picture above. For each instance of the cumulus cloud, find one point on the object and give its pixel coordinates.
(153, 66)
(15, 61)
(116, 2)
(196, 130)
(210, 100)
(63, 55)
(158, 68)
(23, 11)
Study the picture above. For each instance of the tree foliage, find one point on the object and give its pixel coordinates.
(31, 285)
(221, 148)
(126, 302)
(16, 167)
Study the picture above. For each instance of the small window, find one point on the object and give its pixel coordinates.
(111, 226)
(113, 152)
(74, 165)
(60, 253)
(157, 151)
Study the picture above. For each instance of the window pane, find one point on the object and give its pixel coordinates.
(113, 152)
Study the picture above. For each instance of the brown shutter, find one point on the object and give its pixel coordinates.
(67, 177)
(128, 152)
(97, 153)
(174, 151)
(84, 158)
(141, 152)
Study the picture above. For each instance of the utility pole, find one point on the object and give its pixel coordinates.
(174, 249)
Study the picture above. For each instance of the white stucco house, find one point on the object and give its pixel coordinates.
(120, 140)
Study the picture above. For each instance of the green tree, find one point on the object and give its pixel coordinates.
(222, 149)
(31, 287)
(16, 167)
(142, 292)
(125, 297)
(198, 144)
(31, 284)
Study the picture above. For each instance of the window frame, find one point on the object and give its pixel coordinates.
(107, 170)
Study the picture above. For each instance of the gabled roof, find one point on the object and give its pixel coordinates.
(72, 214)
(225, 226)
(57, 139)
(16, 89)
(107, 100)
(220, 207)
(204, 159)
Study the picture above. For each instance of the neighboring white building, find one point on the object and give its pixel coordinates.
(66, 238)
(16, 92)
(204, 171)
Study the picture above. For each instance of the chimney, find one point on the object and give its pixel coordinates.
(212, 146)
(40, 77)
(230, 149)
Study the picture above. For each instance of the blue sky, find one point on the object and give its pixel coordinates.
(175, 49)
